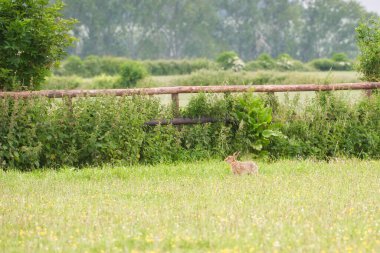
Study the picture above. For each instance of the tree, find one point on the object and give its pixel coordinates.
(368, 36)
(152, 29)
(329, 27)
(33, 37)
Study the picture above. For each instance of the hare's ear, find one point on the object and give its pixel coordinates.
(237, 154)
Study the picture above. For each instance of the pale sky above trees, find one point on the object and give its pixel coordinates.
(371, 5)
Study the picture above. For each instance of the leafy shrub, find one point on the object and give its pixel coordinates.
(327, 127)
(111, 65)
(51, 133)
(72, 66)
(368, 36)
(339, 62)
(282, 63)
(177, 67)
(207, 78)
(33, 37)
(94, 66)
(103, 82)
(340, 57)
(323, 64)
(62, 83)
(130, 73)
(225, 59)
(286, 63)
(255, 123)
(41, 132)
(230, 60)
(266, 61)
(161, 145)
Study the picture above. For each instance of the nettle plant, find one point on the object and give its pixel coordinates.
(255, 124)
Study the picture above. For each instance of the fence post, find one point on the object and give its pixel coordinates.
(175, 104)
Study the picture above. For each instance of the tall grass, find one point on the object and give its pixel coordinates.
(291, 206)
(206, 78)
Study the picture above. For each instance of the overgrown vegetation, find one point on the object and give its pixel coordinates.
(338, 62)
(51, 133)
(94, 65)
(230, 61)
(33, 37)
(368, 36)
(206, 77)
(102, 72)
(328, 126)
(131, 73)
(282, 63)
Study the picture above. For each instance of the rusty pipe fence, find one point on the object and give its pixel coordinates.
(175, 91)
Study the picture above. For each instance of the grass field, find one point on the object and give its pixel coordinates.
(209, 78)
(292, 206)
(291, 77)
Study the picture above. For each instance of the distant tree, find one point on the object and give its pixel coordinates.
(151, 29)
(368, 36)
(329, 26)
(33, 37)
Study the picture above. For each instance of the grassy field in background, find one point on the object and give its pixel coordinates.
(315, 77)
(207, 77)
(292, 206)
(199, 78)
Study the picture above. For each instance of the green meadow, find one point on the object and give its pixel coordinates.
(291, 206)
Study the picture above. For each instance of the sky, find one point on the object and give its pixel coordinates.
(371, 5)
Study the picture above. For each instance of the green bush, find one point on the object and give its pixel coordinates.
(328, 127)
(368, 36)
(177, 67)
(111, 65)
(41, 132)
(338, 62)
(130, 73)
(33, 37)
(286, 63)
(340, 57)
(88, 131)
(230, 61)
(282, 63)
(72, 66)
(208, 78)
(103, 82)
(62, 83)
(225, 59)
(94, 66)
(266, 61)
(323, 64)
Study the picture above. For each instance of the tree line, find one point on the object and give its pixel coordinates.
(153, 29)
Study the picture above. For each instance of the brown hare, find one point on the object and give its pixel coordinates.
(241, 168)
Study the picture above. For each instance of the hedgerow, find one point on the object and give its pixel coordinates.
(42, 132)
